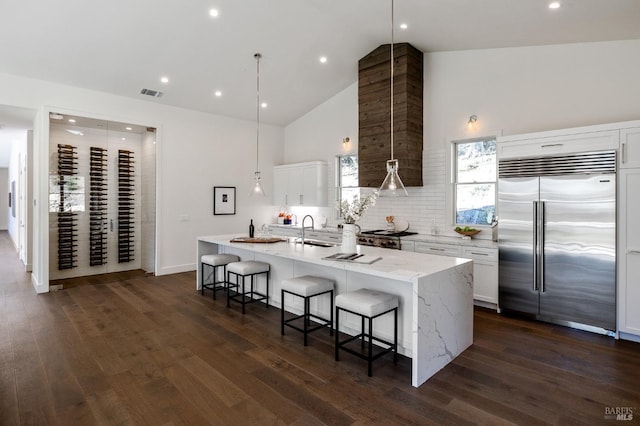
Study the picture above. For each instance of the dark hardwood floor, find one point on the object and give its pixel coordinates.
(152, 350)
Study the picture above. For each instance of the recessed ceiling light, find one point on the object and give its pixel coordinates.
(403, 26)
(129, 128)
(554, 5)
(323, 59)
(75, 132)
(217, 93)
(71, 120)
(164, 80)
(213, 12)
(124, 139)
(263, 105)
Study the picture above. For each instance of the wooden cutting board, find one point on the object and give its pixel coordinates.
(257, 240)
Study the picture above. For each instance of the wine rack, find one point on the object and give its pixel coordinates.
(126, 193)
(67, 219)
(97, 206)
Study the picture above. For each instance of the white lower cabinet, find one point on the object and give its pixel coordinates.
(485, 267)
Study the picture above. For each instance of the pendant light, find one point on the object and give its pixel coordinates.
(256, 189)
(392, 184)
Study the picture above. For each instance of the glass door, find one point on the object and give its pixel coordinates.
(101, 175)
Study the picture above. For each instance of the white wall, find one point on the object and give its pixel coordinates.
(5, 210)
(513, 90)
(196, 151)
(18, 151)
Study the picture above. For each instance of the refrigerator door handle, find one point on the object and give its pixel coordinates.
(541, 245)
(535, 246)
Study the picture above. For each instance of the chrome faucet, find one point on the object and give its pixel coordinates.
(304, 227)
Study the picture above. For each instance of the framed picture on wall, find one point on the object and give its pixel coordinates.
(224, 200)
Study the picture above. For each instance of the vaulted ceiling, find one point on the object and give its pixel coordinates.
(123, 46)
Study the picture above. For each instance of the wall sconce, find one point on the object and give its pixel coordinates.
(345, 141)
(472, 124)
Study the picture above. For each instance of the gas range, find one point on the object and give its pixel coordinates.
(382, 238)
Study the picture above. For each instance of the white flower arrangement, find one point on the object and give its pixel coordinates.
(352, 212)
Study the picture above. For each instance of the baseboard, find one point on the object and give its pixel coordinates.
(630, 337)
(487, 305)
(40, 288)
(188, 267)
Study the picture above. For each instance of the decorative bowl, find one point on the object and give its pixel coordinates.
(469, 233)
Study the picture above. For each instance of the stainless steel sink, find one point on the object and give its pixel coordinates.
(319, 243)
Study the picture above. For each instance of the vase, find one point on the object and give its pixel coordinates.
(349, 239)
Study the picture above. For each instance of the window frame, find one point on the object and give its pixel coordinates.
(339, 186)
(455, 183)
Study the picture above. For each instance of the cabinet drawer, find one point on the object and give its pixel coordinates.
(439, 249)
(475, 253)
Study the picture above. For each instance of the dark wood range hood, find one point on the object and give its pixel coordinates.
(374, 106)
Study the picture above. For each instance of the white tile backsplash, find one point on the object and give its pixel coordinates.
(424, 205)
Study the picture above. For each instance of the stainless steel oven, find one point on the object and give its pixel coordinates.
(382, 238)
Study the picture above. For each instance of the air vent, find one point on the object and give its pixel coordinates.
(154, 93)
(581, 163)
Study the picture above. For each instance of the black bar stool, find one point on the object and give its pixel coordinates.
(367, 304)
(241, 270)
(216, 261)
(307, 287)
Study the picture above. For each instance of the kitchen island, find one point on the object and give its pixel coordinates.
(435, 293)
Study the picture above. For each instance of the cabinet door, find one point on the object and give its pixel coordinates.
(553, 145)
(295, 186)
(630, 323)
(485, 273)
(309, 196)
(630, 148)
(629, 253)
(314, 185)
(280, 186)
(485, 281)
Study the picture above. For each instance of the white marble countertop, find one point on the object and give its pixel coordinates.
(393, 264)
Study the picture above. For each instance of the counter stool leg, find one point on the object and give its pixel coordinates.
(331, 317)
(370, 354)
(267, 299)
(202, 279)
(243, 290)
(305, 318)
(363, 335)
(395, 336)
(337, 332)
(229, 290)
(282, 312)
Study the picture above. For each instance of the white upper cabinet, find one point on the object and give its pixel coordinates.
(630, 148)
(546, 143)
(300, 184)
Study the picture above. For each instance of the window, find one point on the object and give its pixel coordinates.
(475, 181)
(347, 179)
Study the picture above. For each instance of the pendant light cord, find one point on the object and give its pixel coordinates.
(392, 157)
(257, 56)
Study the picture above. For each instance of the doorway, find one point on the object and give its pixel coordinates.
(101, 197)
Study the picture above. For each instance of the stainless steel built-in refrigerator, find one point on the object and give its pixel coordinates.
(557, 238)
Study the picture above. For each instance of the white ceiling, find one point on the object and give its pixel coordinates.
(123, 46)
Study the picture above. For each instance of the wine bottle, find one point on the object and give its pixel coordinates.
(252, 229)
